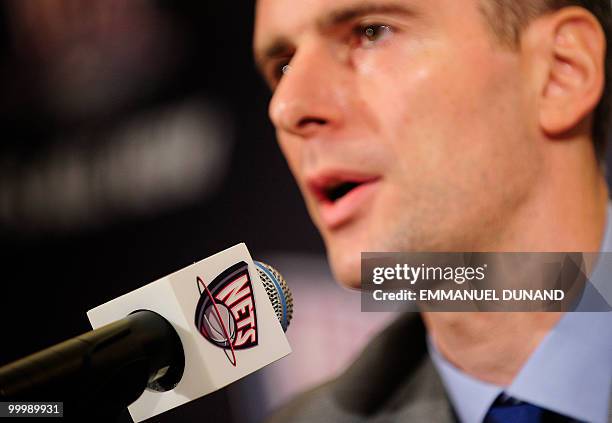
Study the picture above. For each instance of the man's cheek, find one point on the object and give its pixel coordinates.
(291, 154)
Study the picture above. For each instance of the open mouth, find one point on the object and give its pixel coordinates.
(342, 196)
(336, 191)
(331, 190)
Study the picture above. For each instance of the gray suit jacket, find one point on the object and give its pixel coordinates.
(393, 380)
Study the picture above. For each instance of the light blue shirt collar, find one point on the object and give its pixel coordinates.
(470, 397)
(570, 372)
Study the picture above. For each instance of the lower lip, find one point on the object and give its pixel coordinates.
(334, 214)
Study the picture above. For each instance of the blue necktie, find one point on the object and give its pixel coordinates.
(509, 410)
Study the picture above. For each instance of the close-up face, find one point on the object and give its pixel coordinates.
(406, 124)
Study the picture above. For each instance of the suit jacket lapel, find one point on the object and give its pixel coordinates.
(394, 378)
(610, 408)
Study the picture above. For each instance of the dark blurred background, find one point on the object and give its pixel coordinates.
(135, 141)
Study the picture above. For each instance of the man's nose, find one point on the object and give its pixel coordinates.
(309, 98)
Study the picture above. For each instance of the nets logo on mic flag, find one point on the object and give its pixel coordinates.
(223, 315)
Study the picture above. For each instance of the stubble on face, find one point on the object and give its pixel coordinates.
(435, 110)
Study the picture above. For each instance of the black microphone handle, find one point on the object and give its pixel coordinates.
(102, 370)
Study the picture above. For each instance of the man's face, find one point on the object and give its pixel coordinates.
(406, 125)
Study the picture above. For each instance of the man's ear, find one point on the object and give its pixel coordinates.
(571, 68)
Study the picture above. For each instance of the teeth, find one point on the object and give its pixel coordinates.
(339, 190)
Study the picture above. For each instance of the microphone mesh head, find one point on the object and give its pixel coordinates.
(278, 291)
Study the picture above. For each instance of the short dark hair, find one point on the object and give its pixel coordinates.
(509, 17)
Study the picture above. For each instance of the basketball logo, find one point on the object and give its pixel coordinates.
(214, 325)
(225, 313)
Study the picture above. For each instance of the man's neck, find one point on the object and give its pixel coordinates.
(493, 347)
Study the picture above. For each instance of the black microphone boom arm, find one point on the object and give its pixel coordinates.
(102, 370)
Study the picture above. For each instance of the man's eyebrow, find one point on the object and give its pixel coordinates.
(282, 46)
(352, 12)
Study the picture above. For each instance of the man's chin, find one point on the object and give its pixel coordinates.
(346, 268)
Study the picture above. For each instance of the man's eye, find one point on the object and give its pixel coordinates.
(282, 69)
(278, 70)
(371, 34)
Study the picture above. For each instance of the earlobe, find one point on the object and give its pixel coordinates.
(575, 70)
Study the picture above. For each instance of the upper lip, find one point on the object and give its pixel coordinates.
(323, 182)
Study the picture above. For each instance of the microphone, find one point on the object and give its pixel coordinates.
(144, 352)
